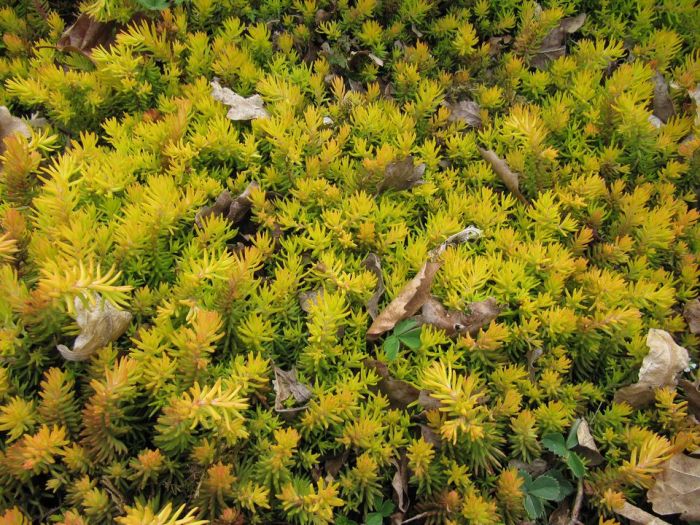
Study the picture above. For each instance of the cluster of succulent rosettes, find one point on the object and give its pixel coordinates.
(347, 262)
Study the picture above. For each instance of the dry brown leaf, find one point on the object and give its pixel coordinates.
(287, 385)
(402, 175)
(374, 265)
(660, 367)
(86, 34)
(532, 357)
(454, 322)
(637, 515)
(561, 515)
(691, 312)
(307, 299)
(400, 483)
(233, 209)
(335, 463)
(427, 401)
(467, 234)
(553, 46)
(430, 436)
(534, 468)
(662, 102)
(692, 394)
(240, 108)
(409, 300)
(100, 324)
(586, 444)
(677, 488)
(9, 125)
(466, 111)
(501, 168)
(400, 393)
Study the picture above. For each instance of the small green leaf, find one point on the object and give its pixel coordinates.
(533, 506)
(405, 326)
(411, 339)
(526, 476)
(576, 465)
(565, 486)
(154, 5)
(391, 347)
(555, 443)
(572, 438)
(374, 518)
(386, 508)
(544, 487)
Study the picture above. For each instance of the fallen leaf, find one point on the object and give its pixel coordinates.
(692, 394)
(402, 175)
(9, 125)
(400, 393)
(691, 312)
(532, 357)
(660, 367)
(335, 463)
(586, 444)
(655, 121)
(287, 385)
(553, 46)
(639, 516)
(100, 323)
(662, 103)
(430, 436)
(561, 515)
(86, 34)
(501, 168)
(467, 234)
(534, 468)
(373, 264)
(409, 300)
(466, 111)
(400, 483)
(427, 401)
(677, 488)
(241, 108)
(497, 43)
(233, 209)
(306, 299)
(454, 322)
(695, 95)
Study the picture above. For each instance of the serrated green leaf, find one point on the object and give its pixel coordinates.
(555, 443)
(576, 465)
(391, 347)
(154, 5)
(526, 476)
(405, 326)
(572, 438)
(533, 506)
(565, 486)
(544, 487)
(411, 339)
(386, 509)
(374, 518)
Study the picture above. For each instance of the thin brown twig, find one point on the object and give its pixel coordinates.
(416, 517)
(578, 502)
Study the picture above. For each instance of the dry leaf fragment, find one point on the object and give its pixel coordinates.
(534, 468)
(233, 209)
(660, 367)
(287, 385)
(637, 515)
(467, 234)
(677, 488)
(532, 357)
(454, 322)
(400, 483)
(501, 168)
(100, 323)
(662, 103)
(374, 265)
(86, 34)
(400, 393)
(692, 394)
(691, 312)
(307, 299)
(553, 46)
(241, 108)
(586, 444)
(466, 111)
(402, 175)
(9, 125)
(427, 401)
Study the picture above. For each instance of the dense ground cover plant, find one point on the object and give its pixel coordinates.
(222, 369)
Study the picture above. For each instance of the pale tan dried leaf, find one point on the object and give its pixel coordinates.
(100, 323)
(691, 312)
(402, 175)
(287, 385)
(692, 394)
(637, 515)
(467, 234)
(553, 46)
(234, 209)
(466, 111)
(532, 357)
(660, 367)
(662, 102)
(454, 322)
(409, 300)
(400, 483)
(307, 299)
(9, 125)
(501, 168)
(373, 264)
(677, 488)
(241, 108)
(86, 34)
(586, 444)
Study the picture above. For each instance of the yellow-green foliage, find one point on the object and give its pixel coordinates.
(175, 421)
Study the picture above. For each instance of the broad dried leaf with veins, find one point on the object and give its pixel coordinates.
(677, 488)
(553, 46)
(637, 515)
(402, 175)
(9, 125)
(501, 168)
(466, 111)
(287, 385)
(86, 34)
(100, 324)
(454, 322)
(241, 108)
(660, 367)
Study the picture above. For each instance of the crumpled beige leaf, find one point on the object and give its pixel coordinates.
(586, 444)
(100, 324)
(454, 322)
(677, 488)
(373, 264)
(691, 312)
(241, 108)
(402, 174)
(660, 367)
(466, 111)
(9, 125)
(662, 103)
(287, 385)
(553, 46)
(232, 208)
(501, 168)
(639, 516)
(400, 483)
(85, 34)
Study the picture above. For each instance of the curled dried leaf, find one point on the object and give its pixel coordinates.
(374, 265)
(234, 209)
(307, 299)
(9, 125)
(241, 108)
(287, 385)
(400, 393)
(637, 515)
(535, 468)
(586, 444)
(467, 234)
(100, 323)
(402, 175)
(85, 34)
(692, 394)
(660, 367)
(662, 102)
(466, 111)
(677, 488)
(553, 46)
(501, 168)
(454, 322)
(532, 357)
(691, 312)
(400, 483)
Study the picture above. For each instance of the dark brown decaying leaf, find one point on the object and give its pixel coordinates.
(586, 444)
(430, 436)
(534, 468)
(287, 385)
(466, 111)
(454, 322)
(637, 515)
(532, 357)
(677, 488)
(100, 323)
(501, 168)
(9, 125)
(402, 175)
(400, 393)
(373, 264)
(232, 208)
(335, 463)
(692, 394)
(400, 483)
(409, 300)
(561, 515)
(691, 312)
(427, 401)
(660, 367)
(86, 34)
(553, 46)
(662, 103)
